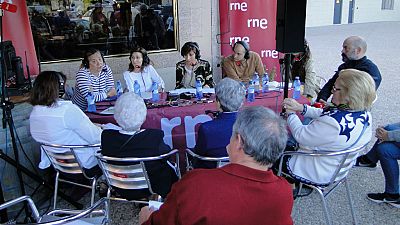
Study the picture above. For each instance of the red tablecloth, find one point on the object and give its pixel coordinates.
(180, 123)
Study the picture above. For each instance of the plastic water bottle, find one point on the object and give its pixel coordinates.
(136, 88)
(256, 81)
(119, 88)
(199, 90)
(91, 104)
(155, 96)
(250, 92)
(296, 86)
(265, 81)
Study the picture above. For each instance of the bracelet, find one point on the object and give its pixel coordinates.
(304, 109)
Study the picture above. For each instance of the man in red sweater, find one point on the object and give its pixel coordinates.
(242, 192)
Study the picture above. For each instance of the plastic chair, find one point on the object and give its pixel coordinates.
(99, 216)
(64, 160)
(221, 161)
(345, 163)
(130, 173)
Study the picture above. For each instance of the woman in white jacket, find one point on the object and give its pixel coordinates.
(141, 71)
(347, 123)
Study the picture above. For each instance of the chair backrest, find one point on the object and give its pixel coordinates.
(221, 161)
(130, 172)
(64, 158)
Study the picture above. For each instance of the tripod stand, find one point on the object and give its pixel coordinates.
(7, 121)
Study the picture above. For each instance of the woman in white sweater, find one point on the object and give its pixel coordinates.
(55, 121)
(345, 124)
(141, 71)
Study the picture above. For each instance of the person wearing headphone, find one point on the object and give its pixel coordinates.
(56, 121)
(93, 76)
(242, 64)
(141, 70)
(193, 68)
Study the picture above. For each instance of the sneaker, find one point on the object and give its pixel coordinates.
(383, 197)
(395, 204)
(364, 161)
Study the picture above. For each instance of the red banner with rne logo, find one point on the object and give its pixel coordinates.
(253, 21)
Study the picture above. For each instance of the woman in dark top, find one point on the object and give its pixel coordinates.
(193, 68)
(130, 113)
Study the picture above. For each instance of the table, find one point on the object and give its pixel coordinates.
(180, 124)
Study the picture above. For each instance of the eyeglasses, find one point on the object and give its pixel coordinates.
(334, 89)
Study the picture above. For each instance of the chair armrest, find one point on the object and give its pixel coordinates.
(78, 214)
(206, 158)
(18, 200)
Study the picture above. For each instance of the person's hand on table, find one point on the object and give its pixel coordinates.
(292, 106)
(144, 214)
(111, 93)
(382, 134)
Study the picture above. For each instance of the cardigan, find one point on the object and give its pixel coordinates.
(243, 71)
(233, 194)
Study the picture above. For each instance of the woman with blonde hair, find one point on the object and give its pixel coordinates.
(345, 124)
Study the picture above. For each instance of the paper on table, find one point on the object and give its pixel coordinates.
(110, 126)
(108, 111)
(191, 90)
(155, 205)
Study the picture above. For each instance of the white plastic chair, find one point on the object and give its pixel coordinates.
(221, 161)
(64, 160)
(347, 160)
(99, 216)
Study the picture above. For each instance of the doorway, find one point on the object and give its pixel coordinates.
(351, 10)
(337, 12)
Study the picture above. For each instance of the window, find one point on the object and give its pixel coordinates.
(387, 4)
(63, 30)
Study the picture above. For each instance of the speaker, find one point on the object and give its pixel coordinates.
(290, 25)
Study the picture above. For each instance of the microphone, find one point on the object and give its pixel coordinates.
(136, 66)
(238, 63)
(193, 64)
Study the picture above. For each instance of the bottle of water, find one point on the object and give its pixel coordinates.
(119, 88)
(250, 92)
(265, 81)
(256, 81)
(91, 104)
(296, 86)
(199, 90)
(136, 88)
(155, 96)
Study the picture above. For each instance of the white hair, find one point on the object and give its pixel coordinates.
(130, 111)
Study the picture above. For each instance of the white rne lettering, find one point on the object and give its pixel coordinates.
(261, 23)
(233, 40)
(190, 124)
(167, 126)
(269, 53)
(242, 6)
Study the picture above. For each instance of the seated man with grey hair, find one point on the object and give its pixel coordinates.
(130, 113)
(246, 191)
(213, 136)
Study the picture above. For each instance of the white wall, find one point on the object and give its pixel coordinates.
(370, 11)
(320, 12)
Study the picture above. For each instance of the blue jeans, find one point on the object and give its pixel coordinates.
(388, 153)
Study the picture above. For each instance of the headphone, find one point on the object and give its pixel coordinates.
(89, 52)
(245, 46)
(61, 83)
(189, 46)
